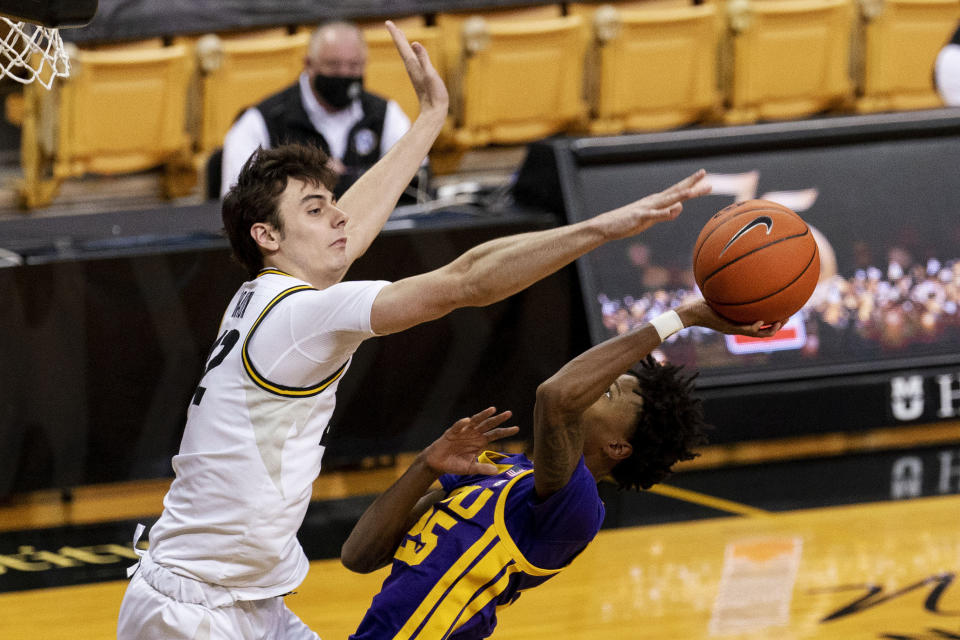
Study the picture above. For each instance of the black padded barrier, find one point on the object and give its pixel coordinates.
(107, 324)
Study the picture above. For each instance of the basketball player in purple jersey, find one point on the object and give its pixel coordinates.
(500, 523)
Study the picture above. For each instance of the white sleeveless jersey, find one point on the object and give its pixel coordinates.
(251, 446)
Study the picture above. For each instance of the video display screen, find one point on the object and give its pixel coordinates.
(886, 214)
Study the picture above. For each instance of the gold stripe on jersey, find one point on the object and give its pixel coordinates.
(486, 580)
(499, 522)
(480, 575)
(268, 271)
(483, 598)
(454, 575)
(263, 383)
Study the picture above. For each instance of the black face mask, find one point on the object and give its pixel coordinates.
(338, 91)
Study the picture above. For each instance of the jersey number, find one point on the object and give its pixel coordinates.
(413, 552)
(226, 342)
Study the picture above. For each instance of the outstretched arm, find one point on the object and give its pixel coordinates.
(378, 533)
(561, 400)
(373, 197)
(497, 269)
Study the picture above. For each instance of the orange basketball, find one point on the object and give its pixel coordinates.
(756, 260)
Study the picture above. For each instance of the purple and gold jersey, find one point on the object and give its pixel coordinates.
(477, 549)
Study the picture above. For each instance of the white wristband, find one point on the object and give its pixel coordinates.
(667, 324)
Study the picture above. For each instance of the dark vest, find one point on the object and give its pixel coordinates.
(287, 122)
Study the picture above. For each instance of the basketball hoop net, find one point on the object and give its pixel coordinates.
(32, 53)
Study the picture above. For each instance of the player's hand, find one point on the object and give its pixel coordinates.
(457, 449)
(431, 92)
(699, 313)
(642, 214)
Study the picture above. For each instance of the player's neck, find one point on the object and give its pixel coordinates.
(598, 464)
(316, 279)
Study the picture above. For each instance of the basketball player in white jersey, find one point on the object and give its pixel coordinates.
(224, 552)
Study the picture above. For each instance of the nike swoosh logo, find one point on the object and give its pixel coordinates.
(764, 220)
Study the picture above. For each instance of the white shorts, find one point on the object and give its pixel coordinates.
(160, 605)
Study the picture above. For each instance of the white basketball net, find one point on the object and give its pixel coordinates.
(32, 53)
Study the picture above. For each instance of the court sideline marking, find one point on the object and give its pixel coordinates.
(705, 500)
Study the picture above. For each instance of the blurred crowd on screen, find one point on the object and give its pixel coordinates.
(902, 304)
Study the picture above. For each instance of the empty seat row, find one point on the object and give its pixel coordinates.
(514, 76)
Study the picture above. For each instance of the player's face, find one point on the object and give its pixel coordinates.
(615, 412)
(313, 245)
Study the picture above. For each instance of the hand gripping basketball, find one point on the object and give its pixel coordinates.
(756, 260)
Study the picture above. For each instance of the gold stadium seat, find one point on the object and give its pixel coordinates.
(404, 23)
(651, 67)
(790, 58)
(513, 81)
(238, 72)
(267, 32)
(451, 24)
(900, 40)
(587, 8)
(385, 74)
(150, 43)
(120, 111)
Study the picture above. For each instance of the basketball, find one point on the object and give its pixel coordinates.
(756, 260)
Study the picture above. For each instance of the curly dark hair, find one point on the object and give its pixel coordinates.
(256, 195)
(669, 424)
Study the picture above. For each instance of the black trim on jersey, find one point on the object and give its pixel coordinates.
(279, 389)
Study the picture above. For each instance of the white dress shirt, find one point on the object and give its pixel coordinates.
(947, 72)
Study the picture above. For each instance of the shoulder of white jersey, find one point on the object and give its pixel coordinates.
(289, 286)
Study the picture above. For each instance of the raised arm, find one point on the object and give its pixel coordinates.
(562, 399)
(499, 268)
(373, 197)
(378, 533)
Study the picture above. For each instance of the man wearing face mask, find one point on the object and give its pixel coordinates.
(327, 107)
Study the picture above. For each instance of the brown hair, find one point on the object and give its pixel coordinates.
(255, 196)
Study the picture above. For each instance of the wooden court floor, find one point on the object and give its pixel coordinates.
(869, 571)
